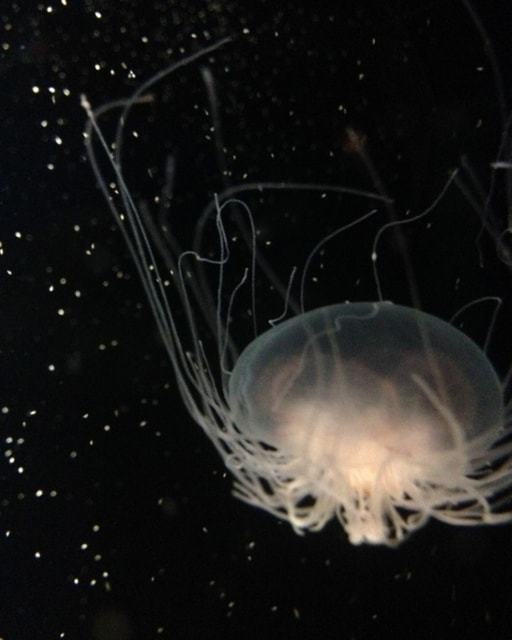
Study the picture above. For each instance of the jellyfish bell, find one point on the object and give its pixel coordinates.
(379, 414)
(376, 414)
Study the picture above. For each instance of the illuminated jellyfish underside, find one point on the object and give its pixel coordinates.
(377, 414)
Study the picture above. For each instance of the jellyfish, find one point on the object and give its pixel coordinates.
(376, 414)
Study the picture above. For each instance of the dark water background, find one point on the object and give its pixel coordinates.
(116, 519)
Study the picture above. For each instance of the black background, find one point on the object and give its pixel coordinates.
(116, 516)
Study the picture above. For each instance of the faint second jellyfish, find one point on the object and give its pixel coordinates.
(379, 415)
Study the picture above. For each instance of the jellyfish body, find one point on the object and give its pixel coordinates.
(377, 414)
(380, 412)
